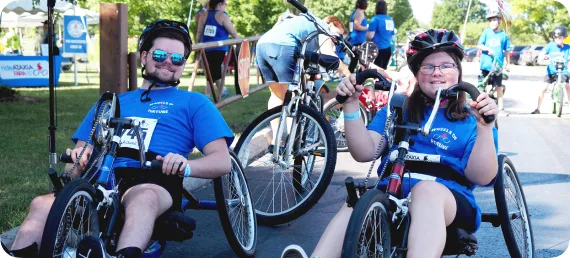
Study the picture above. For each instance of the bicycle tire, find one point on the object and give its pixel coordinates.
(560, 100)
(507, 172)
(339, 128)
(373, 202)
(57, 215)
(311, 198)
(237, 181)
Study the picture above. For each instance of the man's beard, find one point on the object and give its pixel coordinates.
(154, 76)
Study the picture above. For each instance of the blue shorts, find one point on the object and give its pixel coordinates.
(276, 62)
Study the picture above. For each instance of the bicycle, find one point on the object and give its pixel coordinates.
(558, 93)
(285, 163)
(89, 205)
(380, 221)
(484, 85)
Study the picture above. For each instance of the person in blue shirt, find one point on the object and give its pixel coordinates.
(495, 45)
(173, 122)
(467, 145)
(552, 50)
(216, 26)
(358, 25)
(381, 31)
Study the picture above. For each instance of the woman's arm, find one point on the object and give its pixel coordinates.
(358, 17)
(200, 30)
(482, 165)
(227, 22)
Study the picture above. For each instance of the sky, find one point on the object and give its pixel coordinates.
(423, 10)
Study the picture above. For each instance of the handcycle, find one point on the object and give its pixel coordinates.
(558, 93)
(379, 224)
(289, 152)
(89, 205)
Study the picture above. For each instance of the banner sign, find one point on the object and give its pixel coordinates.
(75, 35)
(29, 71)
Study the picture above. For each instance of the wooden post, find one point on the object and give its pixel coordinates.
(114, 31)
(133, 69)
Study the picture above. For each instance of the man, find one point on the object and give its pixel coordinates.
(495, 44)
(185, 120)
(552, 50)
(46, 41)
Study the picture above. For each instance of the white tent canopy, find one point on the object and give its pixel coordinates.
(12, 19)
(23, 13)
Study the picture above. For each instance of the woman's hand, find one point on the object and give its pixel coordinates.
(348, 87)
(484, 105)
(173, 164)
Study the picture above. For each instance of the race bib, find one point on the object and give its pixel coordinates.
(389, 25)
(351, 26)
(210, 31)
(129, 138)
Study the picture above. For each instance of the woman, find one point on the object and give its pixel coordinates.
(358, 27)
(381, 31)
(216, 26)
(276, 51)
(470, 148)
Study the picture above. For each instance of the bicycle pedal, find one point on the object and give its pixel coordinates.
(318, 153)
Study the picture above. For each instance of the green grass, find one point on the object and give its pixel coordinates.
(24, 140)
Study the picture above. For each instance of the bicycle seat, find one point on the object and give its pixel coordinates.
(460, 241)
(173, 226)
(326, 61)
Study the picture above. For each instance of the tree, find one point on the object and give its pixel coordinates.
(450, 14)
(252, 17)
(537, 18)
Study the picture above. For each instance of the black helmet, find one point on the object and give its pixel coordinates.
(560, 31)
(426, 43)
(150, 32)
(493, 13)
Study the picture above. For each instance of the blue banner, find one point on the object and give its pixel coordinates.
(75, 35)
(27, 71)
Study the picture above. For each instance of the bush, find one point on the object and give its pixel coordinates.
(7, 94)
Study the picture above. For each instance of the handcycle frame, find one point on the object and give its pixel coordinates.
(107, 193)
(397, 205)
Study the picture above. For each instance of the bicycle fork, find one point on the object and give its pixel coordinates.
(287, 111)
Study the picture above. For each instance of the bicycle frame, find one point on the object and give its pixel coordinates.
(559, 84)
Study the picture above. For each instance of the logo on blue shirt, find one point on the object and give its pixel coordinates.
(160, 107)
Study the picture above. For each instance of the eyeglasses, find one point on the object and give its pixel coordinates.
(161, 56)
(447, 68)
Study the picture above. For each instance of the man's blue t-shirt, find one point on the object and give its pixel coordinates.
(173, 121)
(553, 50)
(453, 141)
(383, 27)
(498, 42)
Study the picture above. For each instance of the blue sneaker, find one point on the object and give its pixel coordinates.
(225, 92)
(91, 247)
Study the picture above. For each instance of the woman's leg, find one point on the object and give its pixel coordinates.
(432, 209)
(330, 244)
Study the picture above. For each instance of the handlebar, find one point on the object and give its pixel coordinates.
(382, 84)
(471, 90)
(299, 6)
(154, 166)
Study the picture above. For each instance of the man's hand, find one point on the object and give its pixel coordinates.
(173, 164)
(75, 155)
(490, 52)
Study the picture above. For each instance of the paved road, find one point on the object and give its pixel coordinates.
(537, 145)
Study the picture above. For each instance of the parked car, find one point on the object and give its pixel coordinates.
(516, 54)
(530, 55)
(541, 60)
(471, 55)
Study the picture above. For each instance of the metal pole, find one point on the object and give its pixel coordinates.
(465, 23)
(190, 13)
(52, 127)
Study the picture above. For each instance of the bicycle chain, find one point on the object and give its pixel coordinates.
(95, 123)
(386, 127)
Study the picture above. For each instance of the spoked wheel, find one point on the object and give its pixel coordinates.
(368, 232)
(236, 210)
(72, 217)
(513, 211)
(284, 190)
(333, 112)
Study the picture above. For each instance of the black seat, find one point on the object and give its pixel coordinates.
(326, 61)
(460, 241)
(173, 226)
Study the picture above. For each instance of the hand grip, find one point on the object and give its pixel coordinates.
(298, 5)
(363, 76)
(474, 93)
(65, 158)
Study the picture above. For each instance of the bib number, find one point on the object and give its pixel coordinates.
(389, 25)
(129, 137)
(210, 31)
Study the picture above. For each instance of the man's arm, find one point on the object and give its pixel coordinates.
(215, 163)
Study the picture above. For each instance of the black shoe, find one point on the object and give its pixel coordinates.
(91, 247)
(536, 111)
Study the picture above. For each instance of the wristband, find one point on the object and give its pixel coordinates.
(187, 171)
(352, 116)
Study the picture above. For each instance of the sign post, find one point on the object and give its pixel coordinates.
(75, 38)
(244, 62)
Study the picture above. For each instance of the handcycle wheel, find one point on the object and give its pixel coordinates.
(236, 211)
(72, 216)
(333, 111)
(513, 211)
(368, 231)
(276, 198)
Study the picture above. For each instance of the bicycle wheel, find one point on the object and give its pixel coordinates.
(276, 198)
(236, 211)
(560, 100)
(72, 216)
(368, 231)
(513, 211)
(333, 112)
